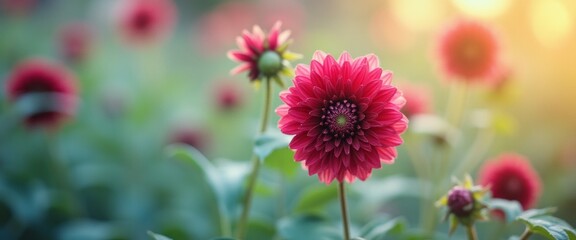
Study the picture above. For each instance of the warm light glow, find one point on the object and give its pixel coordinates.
(550, 21)
(417, 15)
(482, 8)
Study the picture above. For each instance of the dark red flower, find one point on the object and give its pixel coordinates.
(229, 95)
(75, 40)
(146, 20)
(44, 92)
(468, 50)
(510, 176)
(345, 116)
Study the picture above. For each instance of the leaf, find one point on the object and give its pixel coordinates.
(282, 160)
(307, 227)
(395, 226)
(550, 227)
(537, 212)
(196, 160)
(157, 236)
(511, 209)
(314, 198)
(266, 143)
(366, 229)
(222, 238)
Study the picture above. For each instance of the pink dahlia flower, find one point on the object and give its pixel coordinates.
(344, 115)
(75, 40)
(263, 56)
(510, 176)
(468, 50)
(146, 20)
(45, 92)
(418, 100)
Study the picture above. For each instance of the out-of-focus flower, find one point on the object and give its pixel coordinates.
(75, 41)
(17, 7)
(229, 96)
(217, 27)
(465, 203)
(144, 21)
(345, 116)
(263, 56)
(44, 92)
(468, 50)
(510, 176)
(418, 99)
(195, 137)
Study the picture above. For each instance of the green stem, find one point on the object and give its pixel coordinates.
(471, 231)
(344, 210)
(527, 233)
(247, 203)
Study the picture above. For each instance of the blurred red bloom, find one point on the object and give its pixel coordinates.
(229, 96)
(75, 40)
(45, 91)
(194, 137)
(510, 176)
(146, 20)
(17, 7)
(418, 99)
(345, 116)
(468, 50)
(262, 55)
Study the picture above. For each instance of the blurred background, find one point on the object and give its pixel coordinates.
(104, 173)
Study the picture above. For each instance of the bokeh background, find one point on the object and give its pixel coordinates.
(105, 175)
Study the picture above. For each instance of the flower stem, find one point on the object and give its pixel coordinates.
(247, 202)
(344, 210)
(471, 231)
(527, 233)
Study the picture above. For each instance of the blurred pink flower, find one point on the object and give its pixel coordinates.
(229, 95)
(194, 137)
(217, 27)
(263, 56)
(75, 41)
(418, 99)
(345, 116)
(34, 77)
(146, 20)
(468, 50)
(17, 7)
(511, 176)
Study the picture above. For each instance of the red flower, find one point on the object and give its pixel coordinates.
(510, 176)
(75, 39)
(418, 100)
(229, 95)
(146, 20)
(468, 50)
(194, 137)
(45, 92)
(345, 116)
(263, 55)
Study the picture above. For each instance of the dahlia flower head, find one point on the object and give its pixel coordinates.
(510, 176)
(44, 93)
(469, 51)
(344, 115)
(264, 55)
(145, 21)
(465, 203)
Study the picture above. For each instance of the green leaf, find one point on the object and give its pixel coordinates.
(307, 227)
(314, 198)
(550, 227)
(266, 143)
(537, 212)
(196, 160)
(511, 209)
(394, 226)
(282, 160)
(223, 238)
(366, 229)
(157, 236)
